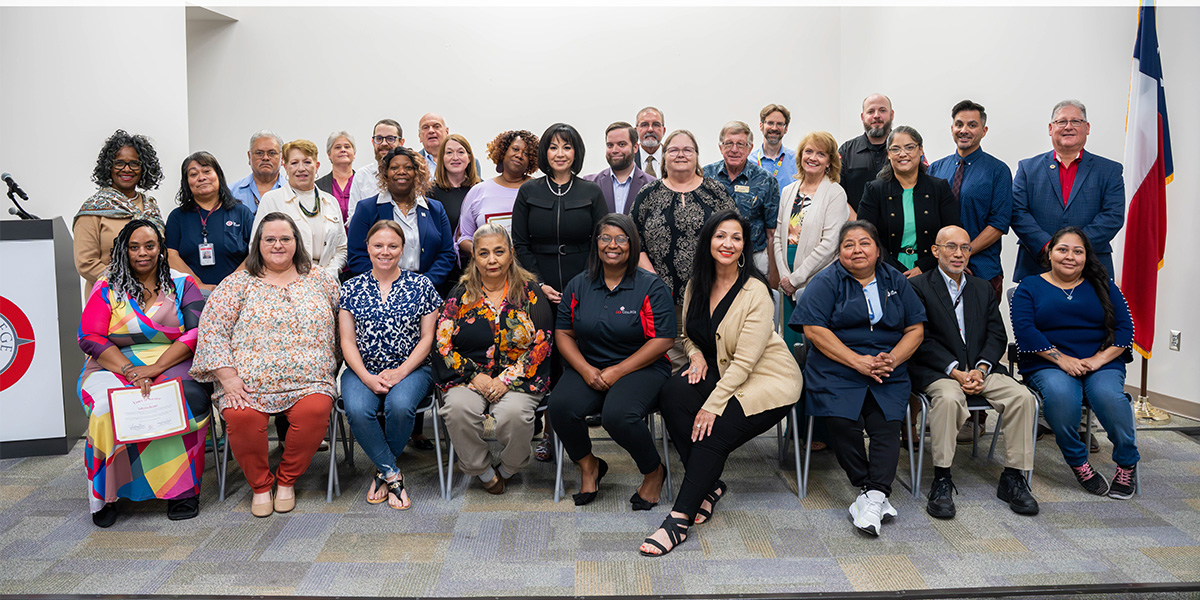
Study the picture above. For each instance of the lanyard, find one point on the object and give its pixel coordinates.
(777, 162)
(204, 221)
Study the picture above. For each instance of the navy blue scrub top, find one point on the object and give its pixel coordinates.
(611, 325)
(835, 300)
(229, 232)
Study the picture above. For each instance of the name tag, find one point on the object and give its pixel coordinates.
(741, 189)
(208, 257)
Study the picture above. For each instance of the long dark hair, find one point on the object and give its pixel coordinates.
(704, 266)
(595, 267)
(1095, 274)
(886, 173)
(121, 278)
(301, 259)
(186, 200)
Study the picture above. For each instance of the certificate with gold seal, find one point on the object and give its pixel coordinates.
(138, 418)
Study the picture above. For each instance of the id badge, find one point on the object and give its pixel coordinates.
(208, 257)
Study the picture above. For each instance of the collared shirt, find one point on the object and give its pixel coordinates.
(387, 331)
(229, 231)
(756, 194)
(246, 191)
(985, 199)
(410, 257)
(658, 161)
(956, 293)
(1066, 175)
(621, 191)
(611, 325)
(365, 185)
(782, 168)
(430, 160)
(861, 162)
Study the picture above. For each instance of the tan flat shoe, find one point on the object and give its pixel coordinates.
(285, 505)
(263, 509)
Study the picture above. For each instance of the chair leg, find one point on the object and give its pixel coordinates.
(807, 458)
(975, 433)
(920, 452)
(558, 470)
(995, 435)
(333, 474)
(437, 446)
(795, 425)
(668, 486)
(224, 461)
(450, 468)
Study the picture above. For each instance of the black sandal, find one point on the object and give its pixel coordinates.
(380, 482)
(183, 509)
(713, 497)
(394, 488)
(676, 529)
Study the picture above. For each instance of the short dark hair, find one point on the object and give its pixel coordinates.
(633, 138)
(567, 134)
(862, 224)
(704, 267)
(254, 260)
(595, 268)
(969, 105)
(393, 123)
(187, 202)
(151, 172)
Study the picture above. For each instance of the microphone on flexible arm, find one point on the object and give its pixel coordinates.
(15, 190)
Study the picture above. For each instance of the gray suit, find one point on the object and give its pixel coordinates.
(604, 179)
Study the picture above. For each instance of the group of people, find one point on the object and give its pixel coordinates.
(650, 286)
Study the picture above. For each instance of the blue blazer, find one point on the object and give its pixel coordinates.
(1096, 205)
(433, 229)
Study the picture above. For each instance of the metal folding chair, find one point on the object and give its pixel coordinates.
(559, 452)
(428, 406)
(333, 487)
(447, 488)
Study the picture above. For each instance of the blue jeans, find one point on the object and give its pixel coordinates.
(384, 440)
(1063, 395)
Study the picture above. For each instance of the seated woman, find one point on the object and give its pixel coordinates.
(208, 236)
(386, 325)
(268, 342)
(493, 344)
(1074, 332)
(741, 379)
(139, 328)
(616, 358)
(316, 213)
(864, 321)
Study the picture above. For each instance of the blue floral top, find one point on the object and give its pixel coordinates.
(387, 331)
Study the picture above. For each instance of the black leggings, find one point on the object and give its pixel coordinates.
(623, 411)
(704, 461)
(846, 439)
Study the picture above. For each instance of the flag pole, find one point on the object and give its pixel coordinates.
(1142, 409)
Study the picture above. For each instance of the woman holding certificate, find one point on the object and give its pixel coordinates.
(139, 329)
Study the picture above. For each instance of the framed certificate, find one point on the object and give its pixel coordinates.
(503, 219)
(138, 418)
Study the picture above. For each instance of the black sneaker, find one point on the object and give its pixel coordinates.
(1014, 490)
(1091, 481)
(941, 504)
(1122, 487)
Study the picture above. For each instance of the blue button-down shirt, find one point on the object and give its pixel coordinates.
(246, 190)
(756, 195)
(783, 169)
(985, 199)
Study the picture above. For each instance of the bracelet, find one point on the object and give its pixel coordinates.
(125, 369)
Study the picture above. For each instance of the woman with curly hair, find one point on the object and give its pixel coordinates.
(429, 244)
(126, 163)
(516, 156)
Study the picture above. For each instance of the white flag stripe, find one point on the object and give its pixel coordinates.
(1141, 132)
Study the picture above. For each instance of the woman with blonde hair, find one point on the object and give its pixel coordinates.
(316, 213)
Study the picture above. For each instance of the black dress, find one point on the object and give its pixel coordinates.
(552, 233)
(452, 200)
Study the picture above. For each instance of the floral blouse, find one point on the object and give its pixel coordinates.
(387, 331)
(282, 341)
(509, 342)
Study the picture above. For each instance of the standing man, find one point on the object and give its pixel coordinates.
(650, 131)
(622, 179)
(386, 136)
(432, 130)
(1066, 186)
(960, 356)
(864, 156)
(982, 184)
(265, 174)
(753, 190)
(772, 156)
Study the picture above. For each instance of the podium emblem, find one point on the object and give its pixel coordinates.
(16, 343)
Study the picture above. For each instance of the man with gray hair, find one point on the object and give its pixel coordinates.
(1066, 187)
(651, 131)
(753, 189)
(265, 174)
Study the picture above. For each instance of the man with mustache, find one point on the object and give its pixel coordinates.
(864, 156)
(650, 130)
(386, 136)
(772, 156)
(265, 173)
(622, 180)
(753, 189)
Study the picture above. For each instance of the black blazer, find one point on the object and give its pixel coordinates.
(986, 337)
(934, 207)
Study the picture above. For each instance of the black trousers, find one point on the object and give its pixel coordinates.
(704, 461)
(623, 409)
(846, 439)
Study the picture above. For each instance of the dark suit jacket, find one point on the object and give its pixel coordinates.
(604, 179)
(433, 230)
(1096, 205)
(986, 337)
(934, 206)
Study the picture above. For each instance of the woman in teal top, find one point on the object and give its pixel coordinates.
(907, 205)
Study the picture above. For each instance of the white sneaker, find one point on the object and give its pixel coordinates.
(888, 512)
(867, 511)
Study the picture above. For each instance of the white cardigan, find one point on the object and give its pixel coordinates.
(332, 249)
(817, 246)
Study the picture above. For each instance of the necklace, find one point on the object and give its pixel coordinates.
(1069, 294)
(551, 185)
(316, 205)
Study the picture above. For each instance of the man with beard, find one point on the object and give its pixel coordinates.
(622, 179)
(386, 136)
(864, 156)
(650, 130)
(772, 156)
(265, 172)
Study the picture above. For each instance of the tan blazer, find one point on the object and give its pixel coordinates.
(753, 361)
(817, 247)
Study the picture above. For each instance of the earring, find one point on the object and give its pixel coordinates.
(742, 260)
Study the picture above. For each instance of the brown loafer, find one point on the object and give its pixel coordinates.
(496, 485)
(263, 509)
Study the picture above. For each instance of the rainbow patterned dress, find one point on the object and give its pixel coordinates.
(166, 468)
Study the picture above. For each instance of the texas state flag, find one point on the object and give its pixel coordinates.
(1148, 170)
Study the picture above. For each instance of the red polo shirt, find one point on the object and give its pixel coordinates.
(1066, 175)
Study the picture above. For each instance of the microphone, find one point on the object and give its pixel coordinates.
(12, 186)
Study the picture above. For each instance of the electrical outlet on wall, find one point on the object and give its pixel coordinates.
(1174, 343)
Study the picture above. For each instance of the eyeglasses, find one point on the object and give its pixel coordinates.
(391, 139)
(285, 240)
(121, 165)
(952, 248)
(906, 149)
(738, 145)
(1064, 122)
(266, 154)
(621, 240)
(689, 151)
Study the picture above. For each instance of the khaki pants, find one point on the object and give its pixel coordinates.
(463, 410)
(948, 412)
